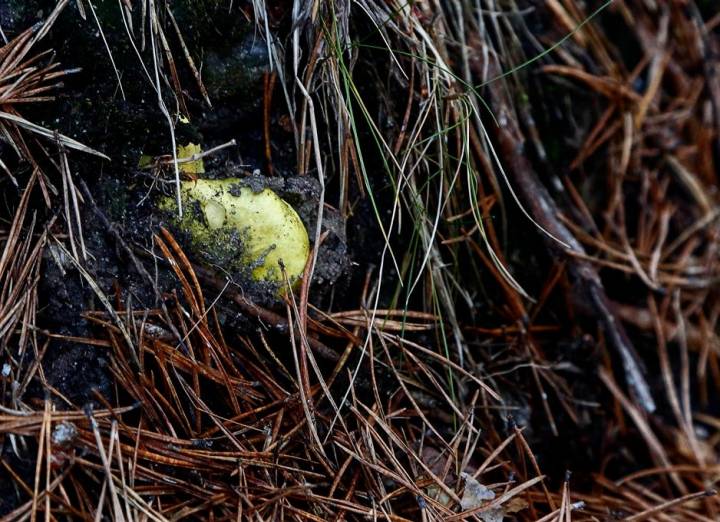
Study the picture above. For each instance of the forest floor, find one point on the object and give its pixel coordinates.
(510, 306)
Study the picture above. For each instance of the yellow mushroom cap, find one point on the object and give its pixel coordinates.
(270, 229)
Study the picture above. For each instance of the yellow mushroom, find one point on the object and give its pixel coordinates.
(265, 228)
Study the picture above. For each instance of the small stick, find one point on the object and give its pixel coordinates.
(166, 160)
(267, 101)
